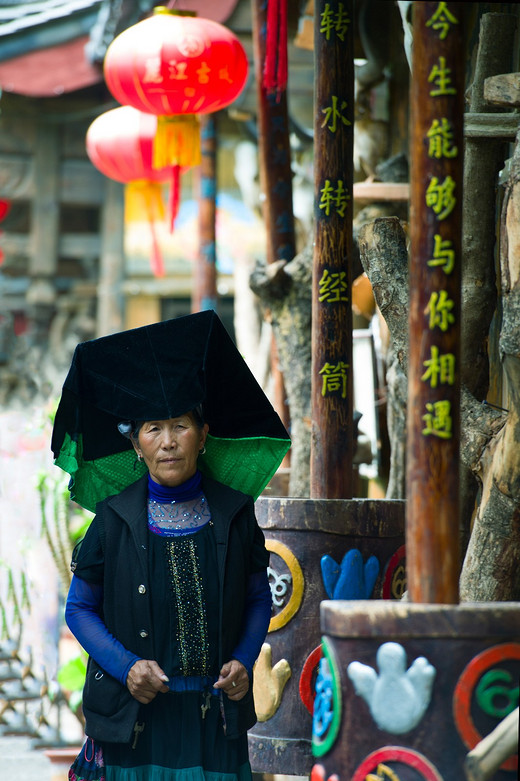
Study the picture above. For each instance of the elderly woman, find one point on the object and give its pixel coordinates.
(170, 599)
(148, 605)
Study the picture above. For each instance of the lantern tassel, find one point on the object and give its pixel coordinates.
(151, 194)
(175, 195)
(177, 141)
(275, 64)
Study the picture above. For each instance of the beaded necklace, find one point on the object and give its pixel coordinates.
(177, 510)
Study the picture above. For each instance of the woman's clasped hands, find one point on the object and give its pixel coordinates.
(145, 680)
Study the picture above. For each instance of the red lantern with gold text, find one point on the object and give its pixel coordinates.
(119, 143)
(176, 65)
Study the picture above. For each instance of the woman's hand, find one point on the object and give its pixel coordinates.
(145, 680)
(233, 680)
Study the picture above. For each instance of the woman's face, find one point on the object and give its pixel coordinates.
(170, 448)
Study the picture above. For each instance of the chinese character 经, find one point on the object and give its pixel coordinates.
(334, 197)
(440, 75)
(441, 135)
(439, 308)
(440, 196)
(334, 113)
(439, 368)
(437, 419)
(334, 379)
(333, 287)
(443, 254)
(441, 20)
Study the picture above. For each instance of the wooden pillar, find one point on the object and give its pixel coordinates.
(45, 218)
(332, 432)
(110, 305)
(433, 426)
(275, 175)
(204, 295)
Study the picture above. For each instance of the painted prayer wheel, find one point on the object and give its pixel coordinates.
(405, 691)
(363, 545)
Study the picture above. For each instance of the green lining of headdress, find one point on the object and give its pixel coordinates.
(245, 464)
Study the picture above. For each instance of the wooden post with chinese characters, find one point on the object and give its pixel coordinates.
(275, 176)
(332, 434)
(205, 271)
(433, 435)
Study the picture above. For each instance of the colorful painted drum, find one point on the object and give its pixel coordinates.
(404, 691)
(320, 549)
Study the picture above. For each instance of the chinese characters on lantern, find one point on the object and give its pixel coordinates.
(441, 198)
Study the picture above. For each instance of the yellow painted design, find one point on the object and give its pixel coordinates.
(382, 772)
(269, 683)
(293, 605)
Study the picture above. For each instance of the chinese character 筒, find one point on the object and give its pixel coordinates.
(333, 287)
(440, 196)
(152, 74)
(441, 135)
(439, 307)
(334, 197)
(439, 368)
(437, 419)
(334, 379)
(334, 22)
(441, 20)
(332, 112)
(202, 73)
(443, 254)
(440, 75)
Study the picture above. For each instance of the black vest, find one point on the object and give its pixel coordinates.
(110, 710)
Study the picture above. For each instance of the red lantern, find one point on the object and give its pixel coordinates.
(176, 65)
(119, 143)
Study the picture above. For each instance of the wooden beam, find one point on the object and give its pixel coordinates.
(79, 182)
(45, 204)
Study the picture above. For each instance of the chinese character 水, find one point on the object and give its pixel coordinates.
(334, 113)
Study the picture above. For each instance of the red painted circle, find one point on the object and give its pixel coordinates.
(397, 754)
(464, 690)
(398, 556)
(306, 693)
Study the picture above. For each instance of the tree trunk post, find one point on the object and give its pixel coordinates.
(275, 176)
(433, 436)
(332, 435)
(205, 273)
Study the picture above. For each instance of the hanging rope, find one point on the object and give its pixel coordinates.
(275, 63)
